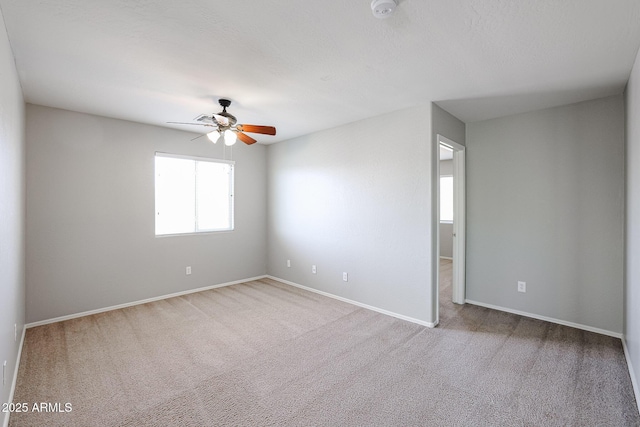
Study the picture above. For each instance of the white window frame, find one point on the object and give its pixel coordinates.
(447, 221)
(198, 230)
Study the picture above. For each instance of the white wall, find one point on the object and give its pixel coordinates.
(545, 206)
(90, 215)
(632, 216)
(357, 199)
(12, 212)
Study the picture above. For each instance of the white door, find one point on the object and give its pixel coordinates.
(458, 279)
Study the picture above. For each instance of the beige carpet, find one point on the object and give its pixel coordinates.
(265, 353)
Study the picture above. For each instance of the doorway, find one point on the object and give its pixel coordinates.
(450, 225)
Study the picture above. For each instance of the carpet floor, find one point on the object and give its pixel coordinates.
(265, 353)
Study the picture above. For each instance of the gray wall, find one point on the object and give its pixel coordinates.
(90, 215)
(545, 206)
(447, 125)
(12, 212)
(446, 167)
(357, 199)
(446, 240)
(632, 215)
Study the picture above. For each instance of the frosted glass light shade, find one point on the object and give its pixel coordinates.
(214, 136)
(230, 137)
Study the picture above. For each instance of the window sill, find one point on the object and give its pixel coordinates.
(195, 233)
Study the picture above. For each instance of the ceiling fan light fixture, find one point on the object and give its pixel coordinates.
(226, 128)
(214, 136)
(383, 8)
(230, 137)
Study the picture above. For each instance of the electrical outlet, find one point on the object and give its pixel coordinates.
(522, 286)
(313, 269)
(188, 270)
(345, 277)
(288, 263)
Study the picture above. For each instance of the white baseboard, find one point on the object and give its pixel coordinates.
(144, 301)
(547, 319)
(356, 303)
(15, 377)
(634, 382)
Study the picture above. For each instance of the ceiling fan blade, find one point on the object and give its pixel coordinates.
(266, 130)
(203, 118)
(192, 124)
(245, 138)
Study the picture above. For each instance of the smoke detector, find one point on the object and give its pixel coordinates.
(383, 8)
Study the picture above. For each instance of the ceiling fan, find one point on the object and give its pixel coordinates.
(226, 127)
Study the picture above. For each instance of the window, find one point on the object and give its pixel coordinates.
(446, 199)
(193, 194)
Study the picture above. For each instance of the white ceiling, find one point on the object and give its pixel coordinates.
(312, 65)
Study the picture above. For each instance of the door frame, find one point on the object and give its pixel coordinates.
(458, 282)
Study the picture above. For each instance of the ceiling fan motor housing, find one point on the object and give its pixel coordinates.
(224, 103)
(231, 117)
